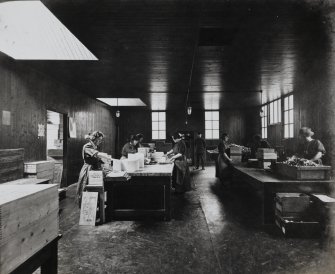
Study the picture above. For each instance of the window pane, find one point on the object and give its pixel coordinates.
(279, 110)
(208, 115)
(265, 110)
(155, 116)
(275, 112)
(208, 134)
(216, 134)
(215, 124)
(208, 125)
(215, 115)
(286, 121)
(286, 103)
(161, 116)
(291, 130)
(271, 113)
(291, 101)
(291, 116)
(162, 126)
(154, 125)
(162, 134)
(266, 133)
(286, 133)
(155, 134)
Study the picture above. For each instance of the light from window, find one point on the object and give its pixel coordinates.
(158, 119)
(212, 127)
(288, 117)
(275, 112)
(265, 122)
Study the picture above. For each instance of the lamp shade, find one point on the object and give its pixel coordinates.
(117, 114)
(189, 110)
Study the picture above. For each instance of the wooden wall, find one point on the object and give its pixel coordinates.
(234, 122)
(27, 94)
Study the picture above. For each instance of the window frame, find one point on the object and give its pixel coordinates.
(290, 113)
(265, 118)
(160, 122)
(214, 125)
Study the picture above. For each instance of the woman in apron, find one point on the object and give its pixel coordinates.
(223, 166)
(92, 160)
(181, 180)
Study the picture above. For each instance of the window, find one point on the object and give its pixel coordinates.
(275, 112)
(288, 117)
(158, 119)
(212, 129)
(265, 122)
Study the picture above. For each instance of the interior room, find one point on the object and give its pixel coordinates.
(170, 136)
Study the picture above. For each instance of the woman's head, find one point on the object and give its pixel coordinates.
(305, 132)
(139, 137)
(96, 137)
(224, 137)
(176, 137)
(133, 139)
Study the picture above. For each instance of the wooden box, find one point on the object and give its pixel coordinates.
(292, 204)
(28, 221)
(296, 227)
(40, 170)
(11, 164)
(304, 172)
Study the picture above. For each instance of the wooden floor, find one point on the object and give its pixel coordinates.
(213, 230)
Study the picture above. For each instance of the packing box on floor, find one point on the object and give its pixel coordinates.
(40, 170)
(11, 164)
(28, 222)
(287, 203)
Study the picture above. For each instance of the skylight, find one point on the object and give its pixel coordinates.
(123, 102)
(29, 31)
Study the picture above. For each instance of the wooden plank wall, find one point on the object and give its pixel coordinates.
(137, 120)
(27, 94)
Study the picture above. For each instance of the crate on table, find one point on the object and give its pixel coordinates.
(40, 170)
(304, 172)
(28, 222)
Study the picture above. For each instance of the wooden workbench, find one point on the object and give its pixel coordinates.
(267, 184)
(146, 194)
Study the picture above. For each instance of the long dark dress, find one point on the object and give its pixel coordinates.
(223, 166)
(91, 162)
(181, 180)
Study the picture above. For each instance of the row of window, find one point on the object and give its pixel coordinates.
(212, 128)
(272, 114)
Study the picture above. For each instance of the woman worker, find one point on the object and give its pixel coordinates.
(309, 148)
(130, 147)
(92, 160)
(181, 180)
(140, 138)
(224, 163)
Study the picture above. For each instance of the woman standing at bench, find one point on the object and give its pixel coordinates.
(92, 160)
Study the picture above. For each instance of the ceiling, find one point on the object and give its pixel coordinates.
(226, 51)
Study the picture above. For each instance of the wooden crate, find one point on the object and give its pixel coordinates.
(292, 204)
(304, 172)
(28, 221)
(11, 164)
(40, 170)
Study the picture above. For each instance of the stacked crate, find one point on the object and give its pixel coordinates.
(236, 154)
(28, 222)
(295, 216)
(11, 164)
(265, 157)
(40, 170)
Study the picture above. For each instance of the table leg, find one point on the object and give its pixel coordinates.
(167, 200)
(102, 206)
(50, 266)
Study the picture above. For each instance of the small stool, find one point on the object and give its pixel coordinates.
(101, 196)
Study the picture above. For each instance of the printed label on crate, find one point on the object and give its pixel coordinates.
(95, 178)
(88, 209)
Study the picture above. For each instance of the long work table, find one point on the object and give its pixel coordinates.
(145, 194)
(267, 184)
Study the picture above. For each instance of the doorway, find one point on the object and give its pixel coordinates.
(56, 145)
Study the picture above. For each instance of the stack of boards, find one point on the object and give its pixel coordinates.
(11, 164)
(28, 222)
(265, 157)
(40, 170)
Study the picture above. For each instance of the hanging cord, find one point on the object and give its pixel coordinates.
(193, 60)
